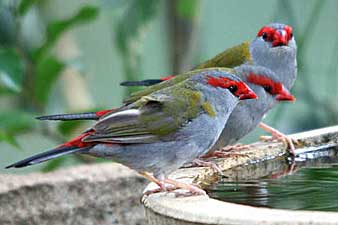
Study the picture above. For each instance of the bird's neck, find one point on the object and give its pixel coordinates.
(282, 63)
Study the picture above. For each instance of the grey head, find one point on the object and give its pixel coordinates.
(219, 88)
(248, 114)
(265, 99)
(221, 79)
(266, 84)
(275, 48)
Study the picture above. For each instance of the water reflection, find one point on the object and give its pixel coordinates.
(310, 182)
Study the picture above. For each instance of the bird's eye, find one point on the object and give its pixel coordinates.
(291, 35)
(267, 88)
(232, 89)
(264, 36)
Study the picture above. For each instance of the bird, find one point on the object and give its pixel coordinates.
(159, 132)
(243, 119)
(248, 114)
(274, 47)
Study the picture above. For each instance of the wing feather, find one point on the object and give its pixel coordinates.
(150, 118)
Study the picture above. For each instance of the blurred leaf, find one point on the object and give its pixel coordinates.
(114, 4)
(15, 121)
(66, 128)
(130, 31)
(131, 25)
(11, 71)
(7, 25)
(47, 71)
(9, 139)
(25, 5)
(53, 164)
(55, 29)
(187, 9)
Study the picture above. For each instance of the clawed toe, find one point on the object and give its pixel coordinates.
(229, 151)
(277, 135)
(169, 185)
(233, 148)
(214, 166)
(160, 189)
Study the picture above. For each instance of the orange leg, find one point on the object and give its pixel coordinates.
(152, 179)
(173, 185)
(191, 188)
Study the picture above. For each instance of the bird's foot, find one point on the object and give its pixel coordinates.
(234, 148)
(160, 189)
(277, 135)
(169, 185)
(192, 189)
(212, 165)
(228, 151)
(161, 185)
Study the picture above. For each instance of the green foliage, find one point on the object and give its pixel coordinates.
(12, 123)
(54, 164)
(56, 29)
(25, 5)
(27, 76)
(129, 34)
(187, 9)
(66, 128)
(132, 24)
(9, 139)
(7, 24)
(47, 71)
(11, 71)
(16, 121)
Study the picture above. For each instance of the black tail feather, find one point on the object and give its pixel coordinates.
(73, 116)
(141, 82)
(45, 156)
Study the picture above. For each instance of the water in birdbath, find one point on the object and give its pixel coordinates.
(310, 182)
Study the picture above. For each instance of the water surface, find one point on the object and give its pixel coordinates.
(308, 183)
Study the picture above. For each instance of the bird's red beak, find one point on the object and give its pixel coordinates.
(248, 95)
(280, 38)
(285, 95)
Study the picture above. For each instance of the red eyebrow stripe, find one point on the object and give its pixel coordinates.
(268, 30)
(262, 80)
(222, 82)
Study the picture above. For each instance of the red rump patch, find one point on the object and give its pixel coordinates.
(274, 87)
(103, 112)
(77, 141)
(167, 78)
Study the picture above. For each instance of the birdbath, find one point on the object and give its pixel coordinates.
(168, 208)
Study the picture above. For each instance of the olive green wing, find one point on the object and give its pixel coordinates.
(177, 79)
(148, 120)
(168, 83)
(230, 58)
